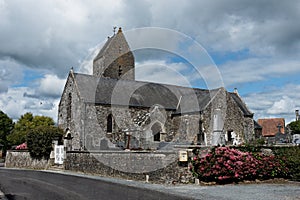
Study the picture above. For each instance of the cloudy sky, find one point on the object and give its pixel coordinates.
(254, 44)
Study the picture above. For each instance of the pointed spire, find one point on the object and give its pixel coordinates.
(115, 58)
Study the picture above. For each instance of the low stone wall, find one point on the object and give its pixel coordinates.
(160, 167)
(22, 159)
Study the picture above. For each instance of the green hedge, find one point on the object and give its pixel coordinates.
(39, 141)
(291, 156)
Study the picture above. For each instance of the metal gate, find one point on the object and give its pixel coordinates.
(59, 154)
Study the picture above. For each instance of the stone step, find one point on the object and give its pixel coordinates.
(56, 167)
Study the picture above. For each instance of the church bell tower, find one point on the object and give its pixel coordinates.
(115, 59)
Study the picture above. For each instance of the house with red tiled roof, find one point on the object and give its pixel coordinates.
(273, 128)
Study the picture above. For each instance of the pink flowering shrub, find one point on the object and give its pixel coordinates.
(22, 146)
(225, 165)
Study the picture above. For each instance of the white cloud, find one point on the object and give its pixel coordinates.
(161, 72)
(255, 69)
(280, 102)
(285, 105)
(41, 100)
(10, 74)
(15, 104)
(50, 86)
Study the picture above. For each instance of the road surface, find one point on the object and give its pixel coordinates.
(27, 184)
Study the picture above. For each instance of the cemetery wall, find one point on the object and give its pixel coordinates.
(161, 167)
(22, 159)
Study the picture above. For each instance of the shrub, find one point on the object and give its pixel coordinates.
(291, 157)
(225, 165)
(39, 141)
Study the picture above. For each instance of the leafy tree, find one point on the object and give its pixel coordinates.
(39, 140)
(26, 123)
(295, 127)
(6, 127)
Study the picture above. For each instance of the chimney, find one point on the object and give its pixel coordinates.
(297, 114)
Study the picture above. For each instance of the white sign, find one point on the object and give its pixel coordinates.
(59, 154)
(296, 139)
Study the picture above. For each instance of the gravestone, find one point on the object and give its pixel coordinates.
(104, 144)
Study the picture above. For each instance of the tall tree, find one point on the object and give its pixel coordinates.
(26, 123)
(295, 127)
(6, 127)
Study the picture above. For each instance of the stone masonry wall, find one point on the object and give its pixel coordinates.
(121, 68)
(249, 129)
(125, 118)
(70, 102)
(22, 159)
(234, 117)
(129, 165)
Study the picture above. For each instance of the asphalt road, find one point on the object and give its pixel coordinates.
(27, 184)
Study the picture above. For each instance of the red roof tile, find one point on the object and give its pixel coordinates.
(270, 126)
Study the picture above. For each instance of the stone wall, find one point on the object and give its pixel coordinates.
(70, 112)
(124, 118)
(178, 129)
(234, 119)
(22, 159)
(121, 68)
(161, 167)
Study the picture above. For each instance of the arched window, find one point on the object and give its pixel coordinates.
(109, 124)
(156, 130)
(200, 137)
(69, 107)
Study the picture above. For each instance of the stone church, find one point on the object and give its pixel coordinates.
(109, 110)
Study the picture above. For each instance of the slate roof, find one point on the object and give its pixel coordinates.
(256, 125)
(241, 105)
(138, 94)
(269, 126)
(145, 94)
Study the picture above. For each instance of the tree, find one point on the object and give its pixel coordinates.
(6, 127)
(26, 123)
(39, 140)
(295, 127)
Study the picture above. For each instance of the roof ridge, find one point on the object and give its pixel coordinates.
(148, 82)
(104, 47)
